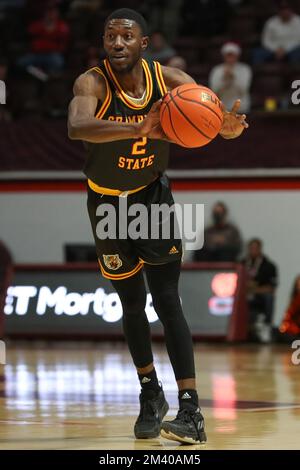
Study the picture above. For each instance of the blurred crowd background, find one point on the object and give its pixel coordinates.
(249, 49)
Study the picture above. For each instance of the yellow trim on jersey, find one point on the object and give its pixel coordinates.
(108, 96)
(152, 264)
(120, 276)
(96, 68)
(111, 192)
(160, 78)
(123, 96)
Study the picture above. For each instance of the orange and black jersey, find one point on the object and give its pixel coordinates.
(131, 163)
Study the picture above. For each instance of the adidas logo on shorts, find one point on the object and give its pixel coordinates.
(173, 250)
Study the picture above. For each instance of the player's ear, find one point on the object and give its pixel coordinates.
(145, 42)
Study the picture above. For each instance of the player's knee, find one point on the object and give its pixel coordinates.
(167, 305)
(134, 304)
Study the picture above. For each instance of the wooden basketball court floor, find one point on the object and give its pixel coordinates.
(85, 396)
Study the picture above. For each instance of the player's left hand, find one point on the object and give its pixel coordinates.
(233, 123)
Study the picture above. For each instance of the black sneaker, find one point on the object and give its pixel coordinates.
(153, 409)
(187, 427)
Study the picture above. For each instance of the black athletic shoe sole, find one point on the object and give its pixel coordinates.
(155, 431)
(174, 435)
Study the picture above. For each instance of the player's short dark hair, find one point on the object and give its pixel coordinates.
(128, 14)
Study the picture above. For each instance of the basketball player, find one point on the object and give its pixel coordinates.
(115, 111)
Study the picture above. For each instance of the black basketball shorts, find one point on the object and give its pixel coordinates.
(127, 237)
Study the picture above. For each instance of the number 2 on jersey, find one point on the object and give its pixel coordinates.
(138, 147)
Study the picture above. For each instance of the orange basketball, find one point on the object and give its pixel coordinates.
(191, 115)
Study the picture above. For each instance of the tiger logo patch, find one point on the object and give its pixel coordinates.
(112, 262)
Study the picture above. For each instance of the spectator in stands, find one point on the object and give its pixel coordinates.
(280, 37)
(261, 286)
(178, 62)
(49, 40)
(222, 240)
(232, 79)
(159, 48)
(290, 325)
